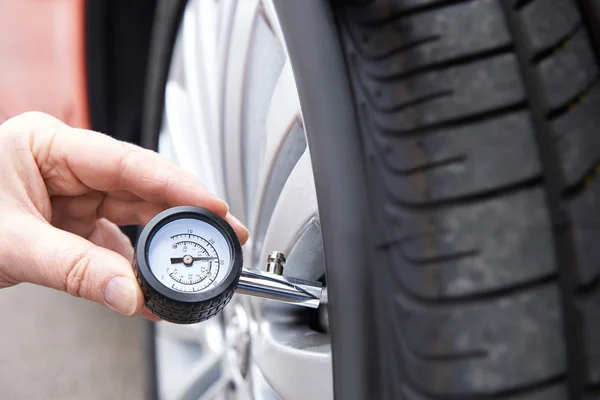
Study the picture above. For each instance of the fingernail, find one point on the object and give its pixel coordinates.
(121, 295)
(239, 224)
(226, 206)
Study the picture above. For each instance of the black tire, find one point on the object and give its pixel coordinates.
(477, 125)
(459, 136)
(164, 32)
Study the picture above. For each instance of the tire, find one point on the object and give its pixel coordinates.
(476, 125)
(164, 32)
(454, 140)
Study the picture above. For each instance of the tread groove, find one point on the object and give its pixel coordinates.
(416, 102)
(519, 4)
(444, 65)
(439, 4)
(405, 48)
(460, 121)
(589, 288)
(573, 101)
(589, 15)
(460, 159)
(503, 395)
(444, 358)
(475, 197)
(450, 357)
(578, 187)
(557, 46)
(448, 303)
(461, 255)
(421, 392)
(553, 178)
(391, 53)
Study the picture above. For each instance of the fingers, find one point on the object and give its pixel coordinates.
(140, 212)
(71, 160)
(238, 227)
(108, 235)
(79, 214)
(123, 212)
(44, 255)
(76, 214)
(148, 314)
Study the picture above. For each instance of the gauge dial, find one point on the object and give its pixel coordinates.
(187, 261)
(189, 255)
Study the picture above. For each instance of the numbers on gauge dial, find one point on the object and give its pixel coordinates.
(189, 255)
(193, 260)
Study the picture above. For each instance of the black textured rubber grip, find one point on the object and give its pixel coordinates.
(186, 308)
(179, 312)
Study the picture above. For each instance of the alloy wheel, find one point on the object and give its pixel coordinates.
(232, 117)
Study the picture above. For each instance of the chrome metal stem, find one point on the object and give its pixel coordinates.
(279, 287)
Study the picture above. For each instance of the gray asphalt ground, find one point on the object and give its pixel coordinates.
(54, 346)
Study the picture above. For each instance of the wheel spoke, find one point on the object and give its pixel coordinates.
(295, 209)
(202, 343)
(306, 259)
(198, 49)
(225, 23)
(207, 374)
(264, 68)
(307, 372)
(269, 11)
(284, 108)
(179, 346)
(177, 102)
(199, 40)
(217, 389)
(283, 148)
(232, 104)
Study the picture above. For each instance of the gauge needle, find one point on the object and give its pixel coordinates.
(180, 260)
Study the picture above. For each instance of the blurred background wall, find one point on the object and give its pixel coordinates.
(83, 61)
(42, 63)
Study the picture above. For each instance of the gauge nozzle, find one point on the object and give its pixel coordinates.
(281, 288)
(273, 285)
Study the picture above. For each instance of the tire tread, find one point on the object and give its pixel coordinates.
(470, 143)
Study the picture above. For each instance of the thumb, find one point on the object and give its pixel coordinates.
(47, 256)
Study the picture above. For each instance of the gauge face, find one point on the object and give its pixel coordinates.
(189, 255)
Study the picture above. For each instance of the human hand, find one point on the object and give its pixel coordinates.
(63, 191)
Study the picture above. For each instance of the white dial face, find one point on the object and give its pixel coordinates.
(189, 255)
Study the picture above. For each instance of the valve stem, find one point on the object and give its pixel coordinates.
(275, 263)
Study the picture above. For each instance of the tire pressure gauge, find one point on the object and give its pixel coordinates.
(188, 262)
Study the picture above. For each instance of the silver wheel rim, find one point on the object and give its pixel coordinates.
(232, 117)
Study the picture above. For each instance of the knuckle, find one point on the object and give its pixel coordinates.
(77, 272)
(28, 121)
(29, 130)
(168, 188)
(126, 162)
